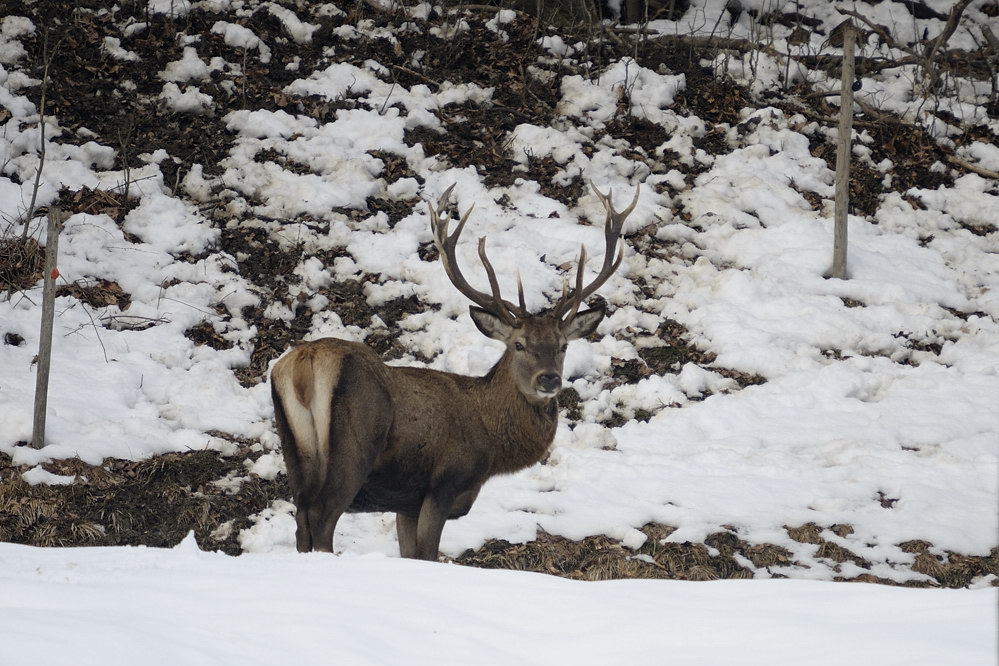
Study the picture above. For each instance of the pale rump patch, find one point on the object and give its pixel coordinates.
(309, 379)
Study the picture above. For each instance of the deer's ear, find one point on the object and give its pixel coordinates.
(491, 325)
(583, 323)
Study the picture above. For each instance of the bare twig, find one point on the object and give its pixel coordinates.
(992, 61)
(97, 332)
(990, 37)
(132, 322)
(879, 29)
(412, 72)
(955, 16)
(47, 59)
(930, 69)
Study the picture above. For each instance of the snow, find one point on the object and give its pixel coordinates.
(855, 407)
(126, 605)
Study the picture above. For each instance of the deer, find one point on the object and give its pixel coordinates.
(358, 435)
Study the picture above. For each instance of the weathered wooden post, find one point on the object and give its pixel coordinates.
(56, 220)
(843, 152)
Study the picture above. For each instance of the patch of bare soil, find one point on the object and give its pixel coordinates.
(154, 502)
(21, 263)
(157, 502)
(721, 556)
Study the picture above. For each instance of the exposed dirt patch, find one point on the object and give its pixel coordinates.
(97, 294)
(601, 558)
(157, 502)
(154, 502)
(22, 261)
(720, 556)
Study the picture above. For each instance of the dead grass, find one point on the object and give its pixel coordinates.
(155, 502)
(21, 263)
(719, 557)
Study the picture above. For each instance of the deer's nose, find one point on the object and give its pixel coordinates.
(549, 383)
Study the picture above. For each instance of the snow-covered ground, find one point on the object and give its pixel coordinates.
(125, 606)
(860, 422)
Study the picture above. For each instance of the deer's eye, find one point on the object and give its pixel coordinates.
(563, 347)
(518, 346)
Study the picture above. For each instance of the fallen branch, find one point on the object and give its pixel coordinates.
(955, 16)
(411, 72)
(879, 30)
(964, 164)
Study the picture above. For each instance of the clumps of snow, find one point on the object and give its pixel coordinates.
(971, 201)
(533, 142)
(986, 155)
(587, 435)
(345, 80)
(190, 100)
(147, 222)
(300, 31)
(556, 46)
(190, 67)
(273, 529)
(112, 46)
(501, 18)
(175, 8)
(11, 29)
(241, 37)
(39, 475)
(649, 94)
(259, 124)
(267, 466)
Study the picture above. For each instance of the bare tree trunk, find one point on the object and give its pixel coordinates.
(45, 335)
(633, 11)
(843, 151)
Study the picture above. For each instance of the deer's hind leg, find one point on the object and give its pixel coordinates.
(304, 485)
(405, 529)
(360, 419)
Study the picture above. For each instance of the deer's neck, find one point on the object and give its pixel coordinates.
(522, 430)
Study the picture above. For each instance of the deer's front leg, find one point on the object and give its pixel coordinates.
(463, 502)
(434, 513)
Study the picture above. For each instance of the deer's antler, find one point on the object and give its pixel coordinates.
(446, 245)
(568, 304)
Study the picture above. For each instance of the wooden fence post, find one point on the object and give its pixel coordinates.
(45, 335)
(843, 152)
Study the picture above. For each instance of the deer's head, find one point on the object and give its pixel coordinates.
(535, 343)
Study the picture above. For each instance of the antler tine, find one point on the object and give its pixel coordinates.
(569, 303)
(502, 307)
(575, 301)
(446, 245)
(520, 293)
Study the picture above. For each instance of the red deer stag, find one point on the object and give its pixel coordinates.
(359, 435)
